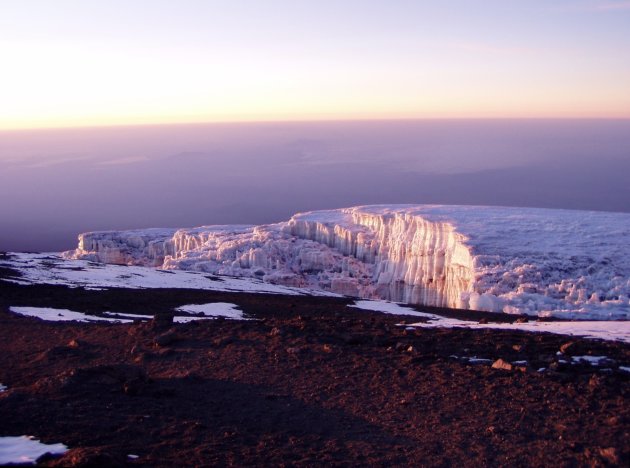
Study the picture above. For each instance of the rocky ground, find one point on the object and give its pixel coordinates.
(309, 382)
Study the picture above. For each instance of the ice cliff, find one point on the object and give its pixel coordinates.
(515, 260)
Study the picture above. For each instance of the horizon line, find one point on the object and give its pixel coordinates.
(311, 120)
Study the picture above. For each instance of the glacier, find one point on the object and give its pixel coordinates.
(541, 262)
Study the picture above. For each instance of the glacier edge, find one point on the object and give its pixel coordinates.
(515, 260)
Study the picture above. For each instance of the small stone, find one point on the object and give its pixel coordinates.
(133, 387)
(517, 347)
(400, 346)
(327, 348)
(74, 344)
(162, 321)
(610, 454)
(166, 339)
(522, 320)
(223, 342)
(595, 382)
(612, 421)
(501, 364)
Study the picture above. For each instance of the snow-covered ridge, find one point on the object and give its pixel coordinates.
(516, 260)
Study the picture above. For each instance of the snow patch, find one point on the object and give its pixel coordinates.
(26, 450)
(181, 319)
(592, 360)
(129, 316)
(212, 310)
(62, 315)
(472, 359)
(3, 388)
(605, 330)
(388, 308)
(612, 331)
(47, 268)
(206, 312)
(475, 360)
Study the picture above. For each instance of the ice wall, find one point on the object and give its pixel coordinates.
(145, 247)
(414, 260)
(541, 262)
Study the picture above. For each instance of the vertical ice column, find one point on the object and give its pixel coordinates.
(416, 260)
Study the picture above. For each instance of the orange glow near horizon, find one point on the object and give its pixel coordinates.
(77, 97)
(164, 65)
(123, 119)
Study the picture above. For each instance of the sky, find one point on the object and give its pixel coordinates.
(57, 183)
(68, 63)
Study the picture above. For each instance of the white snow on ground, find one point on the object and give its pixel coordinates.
(3, 388)
(129, 316)
(25, 450)
(392, 308)
(385, 307)
(62, 315)
(605, 330)
(592, 360)
(472, 359)
(180, 319)
(612, 331)
(211, 310)
(49, 268)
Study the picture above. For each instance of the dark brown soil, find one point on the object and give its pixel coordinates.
(309, 382)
